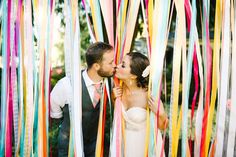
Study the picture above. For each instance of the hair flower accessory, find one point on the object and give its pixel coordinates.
(146, 71)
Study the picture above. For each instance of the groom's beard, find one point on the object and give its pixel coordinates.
(104, 73)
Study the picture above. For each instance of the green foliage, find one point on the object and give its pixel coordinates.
(53, 135)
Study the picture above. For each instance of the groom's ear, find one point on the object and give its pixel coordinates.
(96, 66)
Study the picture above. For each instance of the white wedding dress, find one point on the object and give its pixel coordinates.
(135, 132)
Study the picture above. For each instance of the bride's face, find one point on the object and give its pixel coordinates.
(123, 69)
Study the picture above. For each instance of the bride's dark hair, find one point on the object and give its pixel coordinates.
(138, 63)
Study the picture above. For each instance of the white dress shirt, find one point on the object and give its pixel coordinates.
(62, 94)
(89, 84)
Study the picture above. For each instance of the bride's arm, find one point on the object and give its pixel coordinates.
(162, 116)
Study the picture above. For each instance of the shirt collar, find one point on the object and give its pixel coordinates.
(87, 79)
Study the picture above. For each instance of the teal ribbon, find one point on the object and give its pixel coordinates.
(99, 19)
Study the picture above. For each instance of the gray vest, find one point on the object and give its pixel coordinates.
(90, 118)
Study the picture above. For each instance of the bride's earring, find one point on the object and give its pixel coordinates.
(130, 82)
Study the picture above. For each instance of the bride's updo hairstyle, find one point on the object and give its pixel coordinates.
(138, 63)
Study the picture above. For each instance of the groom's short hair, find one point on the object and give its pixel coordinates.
(95, 52)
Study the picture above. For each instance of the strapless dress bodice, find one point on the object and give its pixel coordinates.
(135, 117)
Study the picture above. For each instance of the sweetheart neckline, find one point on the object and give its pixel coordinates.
(135, 107)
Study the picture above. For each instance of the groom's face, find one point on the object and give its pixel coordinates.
(107, 65)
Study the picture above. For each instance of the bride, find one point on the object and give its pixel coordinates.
(134, 98)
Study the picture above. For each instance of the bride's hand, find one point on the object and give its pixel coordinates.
(154, 106)
(163, 119)
(117, 92)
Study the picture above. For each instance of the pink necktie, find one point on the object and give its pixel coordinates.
(97, 94)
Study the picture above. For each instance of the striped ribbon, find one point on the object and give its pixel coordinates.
(77, 103)
(146, 34)
(4, 79)
(115, 148)
(107, 12)
(196, 80)
(72, 62)
(149, 55)
(23, 83)
(28, 62)
(149, 12)
(21, 80)
(126, 20)
(67, 40)
(13, 103)
(96, 17)
(120, 36)
(40, 108)
(159, 142)
(68, 65)
(14, 77)
(36, 124)
(215, 73)
(15, 93)
(48, 51)
(104, 102)
(159, 36)
(186, 88)
(224, 73)
(208, 66)
(125, 27)
(91, 32)
(158, 43)
(178, 46)
(232, 126)
(195, 61)
(25, 92)
(101, 125)
(121, 13)
(151, 129)
(9, 114)
(173, 145)
(199, 113)
(116, 136)
(130, 25)
(97, 20)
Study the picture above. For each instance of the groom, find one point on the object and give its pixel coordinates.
(100, 65)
